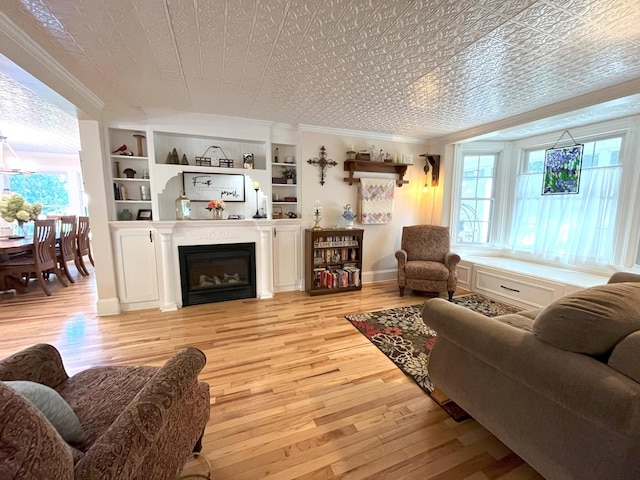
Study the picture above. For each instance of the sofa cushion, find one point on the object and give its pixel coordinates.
(591, 321)
(53, 407)
(625, 357)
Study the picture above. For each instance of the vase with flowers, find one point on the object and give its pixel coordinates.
(15, 209)
(349, 215)
(217, 207)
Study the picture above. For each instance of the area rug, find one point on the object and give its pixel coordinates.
(401, 334)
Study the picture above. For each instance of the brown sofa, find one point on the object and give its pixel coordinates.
(138, 422)
(560, 386)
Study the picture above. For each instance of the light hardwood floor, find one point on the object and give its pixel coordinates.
(296, 391)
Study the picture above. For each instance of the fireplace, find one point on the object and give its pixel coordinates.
(215, 273)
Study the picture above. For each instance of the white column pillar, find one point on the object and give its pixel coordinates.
(168, 288)
(264, 262)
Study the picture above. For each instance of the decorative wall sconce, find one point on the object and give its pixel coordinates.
(322, 163)
(431, 162)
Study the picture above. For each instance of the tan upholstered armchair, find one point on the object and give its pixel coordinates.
(425, 262)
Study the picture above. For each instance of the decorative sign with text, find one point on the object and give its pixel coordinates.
(203, 187)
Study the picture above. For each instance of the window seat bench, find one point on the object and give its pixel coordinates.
(521, 283)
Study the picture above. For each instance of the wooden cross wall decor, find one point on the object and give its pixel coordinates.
(323, 163)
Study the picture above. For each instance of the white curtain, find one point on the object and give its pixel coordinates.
(574, 229)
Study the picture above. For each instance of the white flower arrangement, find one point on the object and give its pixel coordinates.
(13, 206)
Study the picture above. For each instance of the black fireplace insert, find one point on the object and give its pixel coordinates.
(216, 273)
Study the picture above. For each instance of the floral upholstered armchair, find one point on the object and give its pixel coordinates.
(425, 262)
(116, 422)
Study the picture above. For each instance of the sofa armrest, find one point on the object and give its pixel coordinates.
(141, 428)
(401, 256)
(39, 363)
(620, 277)
(577, 382)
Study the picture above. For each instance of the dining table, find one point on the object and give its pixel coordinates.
(8, 247)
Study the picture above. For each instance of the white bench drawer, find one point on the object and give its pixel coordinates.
(516, 289)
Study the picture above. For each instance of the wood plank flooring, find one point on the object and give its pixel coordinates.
(296, 391)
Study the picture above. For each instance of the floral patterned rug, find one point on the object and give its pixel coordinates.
(401, 334)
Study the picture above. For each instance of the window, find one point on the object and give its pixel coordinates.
(476, 197)
(50, 189)
(573, 228)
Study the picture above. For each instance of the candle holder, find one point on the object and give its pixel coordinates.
(317, 215)
(257, 215)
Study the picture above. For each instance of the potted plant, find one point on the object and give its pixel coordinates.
(290, 174)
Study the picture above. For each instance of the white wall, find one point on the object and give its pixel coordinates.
(411, 205)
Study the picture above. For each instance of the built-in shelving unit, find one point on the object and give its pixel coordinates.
(284, 182)
(353, 166)
(128, 192)
(333, 260)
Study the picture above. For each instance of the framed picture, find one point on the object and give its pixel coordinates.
(202, 187)
(144, 214)
(247, 160)
(562, 168)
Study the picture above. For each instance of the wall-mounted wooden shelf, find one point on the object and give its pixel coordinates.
(353, 166)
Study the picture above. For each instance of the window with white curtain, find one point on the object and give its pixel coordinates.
(577, 229)
(474, 210)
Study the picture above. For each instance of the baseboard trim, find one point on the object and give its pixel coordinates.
(108, 306)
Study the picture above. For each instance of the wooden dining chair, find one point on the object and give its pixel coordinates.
(40, 260)
(83, 246)
(66, 245)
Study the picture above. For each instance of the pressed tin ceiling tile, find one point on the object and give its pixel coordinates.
(411, 67)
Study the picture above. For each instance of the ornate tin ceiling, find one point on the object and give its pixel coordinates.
(414, 68)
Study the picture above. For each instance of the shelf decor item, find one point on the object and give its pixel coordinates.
(317, 215)
(129, 172)
(139, 137)
(247, 161)
(183, 207)
(144, 214)
(322, 163)
(125, 214)
(290, 174)
(145, 193)
(217, 207)
(348, 215)
(256, 187)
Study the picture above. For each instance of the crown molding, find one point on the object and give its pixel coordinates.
(356, 133)
(22, 50)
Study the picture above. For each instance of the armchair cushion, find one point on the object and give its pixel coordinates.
(53, 407)
(426, 269)
(591, 321)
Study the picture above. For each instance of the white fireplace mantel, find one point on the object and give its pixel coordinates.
(149, 276)
(212, 232)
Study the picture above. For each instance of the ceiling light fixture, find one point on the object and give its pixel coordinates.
(10, 163)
